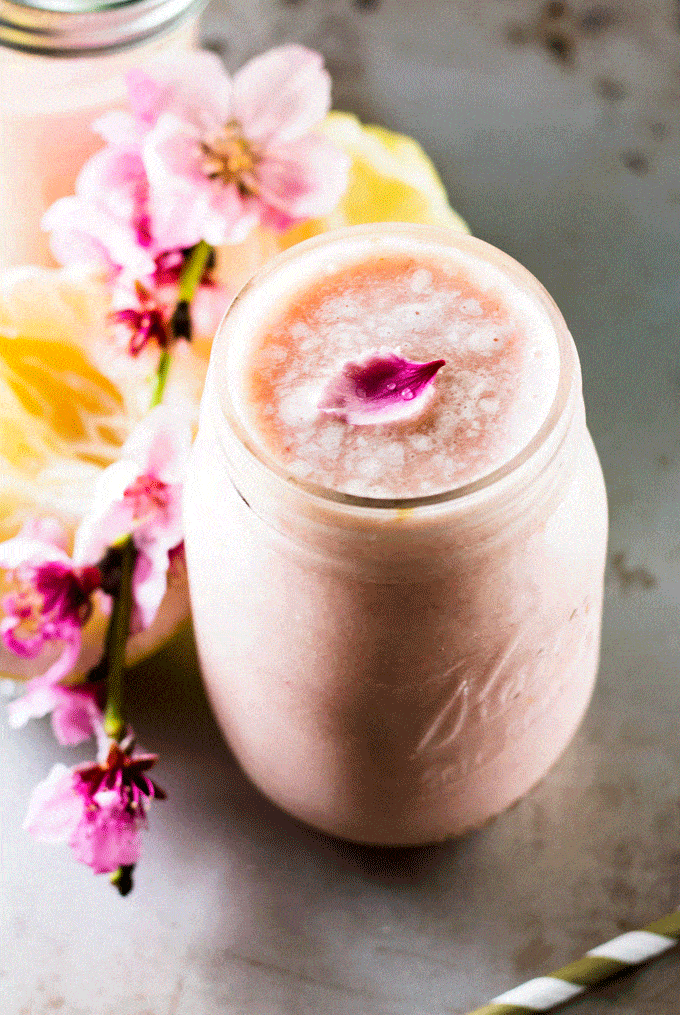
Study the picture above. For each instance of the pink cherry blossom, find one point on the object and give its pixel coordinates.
(140, 496)
(98, 808)
(51, 598)
(222, 155)
(380, 387)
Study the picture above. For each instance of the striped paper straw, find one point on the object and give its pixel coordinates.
(596, 966)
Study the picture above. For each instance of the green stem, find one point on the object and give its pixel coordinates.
(161, 378)
(116, 638)
(193, 270)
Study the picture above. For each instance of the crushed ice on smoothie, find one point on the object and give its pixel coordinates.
(486, 405)
(380, 387)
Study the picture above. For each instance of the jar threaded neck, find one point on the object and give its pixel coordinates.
(63, 28)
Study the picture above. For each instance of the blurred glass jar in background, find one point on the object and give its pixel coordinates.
(62, 63)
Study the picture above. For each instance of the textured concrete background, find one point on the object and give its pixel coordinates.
(557, 132)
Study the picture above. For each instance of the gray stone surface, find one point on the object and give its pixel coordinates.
(559, 140)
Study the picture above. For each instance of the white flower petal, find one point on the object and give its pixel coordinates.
(118, 128)
(38, 700)
(149, 583)
(281, 95)
(160, 444)
(305, 179)
(45, 530)
(229, 217)
(114, 481)
(55, 808)
(108, 518)
(101, 529)
(179, 193)
(197, 87)
(21, 550)
(83, 232)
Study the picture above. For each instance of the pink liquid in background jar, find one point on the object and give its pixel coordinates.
(62, 65)
(398, 624)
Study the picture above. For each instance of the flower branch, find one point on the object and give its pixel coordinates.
(197, 161)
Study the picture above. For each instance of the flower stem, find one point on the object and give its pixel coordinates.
(116, 638)
(193, 270)
(161, 378)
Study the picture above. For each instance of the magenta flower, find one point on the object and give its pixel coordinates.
(140, 496)
(51, 598)
(50, 602)
(380, 387)
(147, 320)
(222, 155)
(98, 809)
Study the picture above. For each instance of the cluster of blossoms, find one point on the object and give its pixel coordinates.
(135, 516)
(197, 162)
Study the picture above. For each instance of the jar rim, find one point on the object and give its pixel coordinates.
(454, 240)
(67, 28)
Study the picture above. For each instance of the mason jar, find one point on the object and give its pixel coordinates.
(394, 671)
(62, 64)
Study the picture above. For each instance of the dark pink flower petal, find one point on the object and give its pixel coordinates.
(169, 266)
(49, 602)
(25, 644)
(66, 591)
(380, 387)
(147, 322)
(107, 836)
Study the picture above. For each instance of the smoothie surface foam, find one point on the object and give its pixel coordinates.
(489, 400)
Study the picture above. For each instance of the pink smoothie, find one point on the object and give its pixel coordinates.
(496, 389)
(398, 624)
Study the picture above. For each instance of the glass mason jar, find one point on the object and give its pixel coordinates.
(395, 671)
(62, 64)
